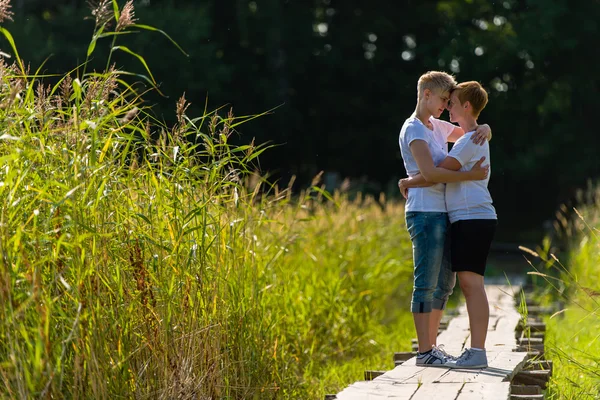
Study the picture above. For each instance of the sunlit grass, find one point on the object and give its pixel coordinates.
(573, 333)
(139, 260)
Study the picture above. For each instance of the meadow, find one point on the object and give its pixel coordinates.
(144, 261)
(571, 278)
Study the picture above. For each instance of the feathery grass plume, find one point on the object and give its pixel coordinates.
(4, 68)
(130, 116)
(227, 129)
(212, 125)
(42, 91)
(180, 109)
(586, 223)
(127, 17)
(345, 186)
(66, 89)
(62, 98)
(578, 214)
(93, 88)
(558, 312)
(182, 106)
(527, 250)
(98, 90)
(5, 13)
(15, 88)
(317, 179)
(101, 11)
(12, 96)
(110, 84)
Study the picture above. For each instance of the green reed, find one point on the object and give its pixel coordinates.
(145, 261)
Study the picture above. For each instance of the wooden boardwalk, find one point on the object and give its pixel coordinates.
(407, 381)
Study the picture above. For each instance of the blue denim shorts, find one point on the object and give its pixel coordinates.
(433, 276)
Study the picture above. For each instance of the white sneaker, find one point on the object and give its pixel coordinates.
(431, 359)
(469, 359)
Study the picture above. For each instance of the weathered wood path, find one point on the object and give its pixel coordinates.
(407, 381)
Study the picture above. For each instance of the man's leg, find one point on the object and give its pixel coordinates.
(434, 325)
(477, 306)
(427, 232)
(445, 285)
(422, 328)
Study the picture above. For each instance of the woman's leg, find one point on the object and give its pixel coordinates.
(477, 306)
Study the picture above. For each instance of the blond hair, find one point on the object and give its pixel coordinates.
(474, 93)
(435, 80)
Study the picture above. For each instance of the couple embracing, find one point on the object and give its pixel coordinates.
(449, 212)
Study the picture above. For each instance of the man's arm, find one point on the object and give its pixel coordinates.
(412, 182)
(418, 180)
(482, 133)
(433, 174)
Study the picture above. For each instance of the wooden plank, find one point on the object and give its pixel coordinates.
(487, 391)
(408, 381)
(539, 378)
(540, 365)
(460, 376)
(493, 321)
(457, 334)
(510, 361)
(446, 391)
(460, 323)
(370, 375)
(404, 356)
(401, 373)
(374, 390)
(525, 389)
(537, 310)
(536, 326)
(502, 368)
(428, 376)
(508, 321)
(500, 341)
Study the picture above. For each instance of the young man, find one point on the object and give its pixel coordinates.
(472, 217)
(423, 144)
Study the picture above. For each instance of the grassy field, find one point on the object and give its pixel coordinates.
(144, 261)
(573, 335)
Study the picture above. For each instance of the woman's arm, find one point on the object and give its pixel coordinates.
(482, 133)
(433, 174)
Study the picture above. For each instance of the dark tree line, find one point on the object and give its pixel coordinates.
(343, 76)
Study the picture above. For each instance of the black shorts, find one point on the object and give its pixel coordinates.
(470, 244)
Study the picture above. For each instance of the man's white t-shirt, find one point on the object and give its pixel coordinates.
(427, 199)
(469, 199)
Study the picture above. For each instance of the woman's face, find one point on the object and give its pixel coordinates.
(456, 109)
(437, 102)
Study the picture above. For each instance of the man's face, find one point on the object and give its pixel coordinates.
(438, 101)
(455, 108)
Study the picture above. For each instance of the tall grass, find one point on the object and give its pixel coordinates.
(573, 333)
(140, 261)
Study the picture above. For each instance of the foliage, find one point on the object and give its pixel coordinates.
(343, 76)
